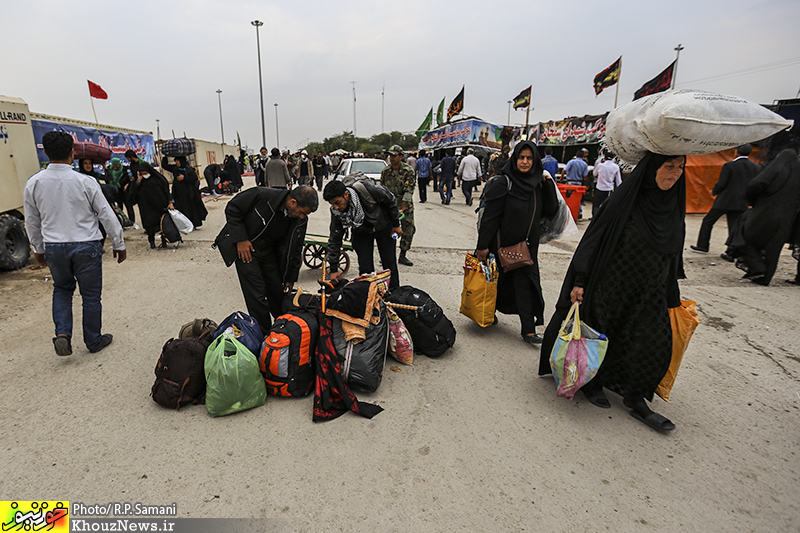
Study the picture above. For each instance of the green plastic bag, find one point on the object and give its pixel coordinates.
(233, 380)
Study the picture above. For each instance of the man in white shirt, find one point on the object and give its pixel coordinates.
(62, 211)
(608, 178)
(470, 172)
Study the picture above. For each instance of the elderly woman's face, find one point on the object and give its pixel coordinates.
(525, 160)
(668, 173)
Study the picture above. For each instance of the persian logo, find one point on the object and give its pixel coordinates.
(35, 516)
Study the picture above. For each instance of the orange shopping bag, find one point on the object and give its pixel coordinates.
(684, 320)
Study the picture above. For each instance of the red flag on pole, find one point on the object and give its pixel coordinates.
(95, 91)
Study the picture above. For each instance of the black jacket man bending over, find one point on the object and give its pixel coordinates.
(264, 236)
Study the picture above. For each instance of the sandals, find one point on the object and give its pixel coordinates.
(655, 421)
(792, 281)
(597, 398)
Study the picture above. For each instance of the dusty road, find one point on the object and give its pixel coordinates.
(473, 441)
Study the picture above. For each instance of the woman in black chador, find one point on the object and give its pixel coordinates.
(186, 190)
(625, 272)
(151, 192)
(514, 205)
(773, 219)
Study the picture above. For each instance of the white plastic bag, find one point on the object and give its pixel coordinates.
(559, 225)
(182, 221)
(687, 122)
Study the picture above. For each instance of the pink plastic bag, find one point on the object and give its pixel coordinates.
(400, 345)
(575, 365)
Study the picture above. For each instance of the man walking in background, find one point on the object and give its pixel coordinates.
(63, 210)
(550, 163)
(608, 179)
(470, 173)
(731, 199)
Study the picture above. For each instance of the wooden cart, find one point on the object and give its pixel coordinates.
(315, 252)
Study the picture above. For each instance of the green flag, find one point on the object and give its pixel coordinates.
(425, 127)
(440, 114)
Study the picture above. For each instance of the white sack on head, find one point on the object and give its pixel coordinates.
(687, 122)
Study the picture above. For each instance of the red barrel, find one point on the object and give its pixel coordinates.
(572, 195)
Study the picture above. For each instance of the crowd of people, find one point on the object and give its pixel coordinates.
(625, 270)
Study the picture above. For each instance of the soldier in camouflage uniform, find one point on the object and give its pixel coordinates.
(400, 179)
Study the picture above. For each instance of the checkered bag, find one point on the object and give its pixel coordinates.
(178, 147)
(98, 154)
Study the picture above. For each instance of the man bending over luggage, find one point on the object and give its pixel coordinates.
(265, 231)
(370, 210)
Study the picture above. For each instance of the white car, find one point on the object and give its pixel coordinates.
(370, 167)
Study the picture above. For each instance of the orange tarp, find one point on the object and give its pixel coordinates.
(702, 173)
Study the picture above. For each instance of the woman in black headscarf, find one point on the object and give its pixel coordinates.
(231, 170)
(625, 272)
(186, 190)
(514, 205)
(772, 222)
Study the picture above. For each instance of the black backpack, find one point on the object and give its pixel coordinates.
(169, 230)
(287, 354)
(180, 377)
(432, 332)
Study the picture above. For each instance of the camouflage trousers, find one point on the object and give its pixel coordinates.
(407, 225)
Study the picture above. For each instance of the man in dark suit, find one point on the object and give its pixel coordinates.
(730, 196)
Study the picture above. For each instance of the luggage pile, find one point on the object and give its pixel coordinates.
(331, 343)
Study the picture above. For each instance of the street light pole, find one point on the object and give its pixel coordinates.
(221, 129)
(277, 130)
(258, 24)
(509, 112)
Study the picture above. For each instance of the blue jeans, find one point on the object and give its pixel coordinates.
(80, 262)
(446, 188)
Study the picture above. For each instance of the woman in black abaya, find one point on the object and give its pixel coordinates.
(231, 170)
(625, 272)
(186, 190)
(514, 205)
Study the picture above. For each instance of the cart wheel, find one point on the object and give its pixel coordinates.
(344, 262)
(313, 255)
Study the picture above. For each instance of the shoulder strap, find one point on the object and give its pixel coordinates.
(362, 190)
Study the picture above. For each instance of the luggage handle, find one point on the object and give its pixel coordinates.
(403, 306)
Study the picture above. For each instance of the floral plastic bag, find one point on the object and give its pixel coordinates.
(401, 347)
(577, 354)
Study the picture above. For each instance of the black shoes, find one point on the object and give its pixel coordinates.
(698, 249)
(727, 257)
(63, 345)
(403, 260)
(105, 340)
(533, 339)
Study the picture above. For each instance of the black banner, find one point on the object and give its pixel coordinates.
(659, 84)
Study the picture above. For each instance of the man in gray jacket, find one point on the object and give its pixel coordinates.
(277, 173)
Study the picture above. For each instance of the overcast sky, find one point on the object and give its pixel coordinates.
(165, 59)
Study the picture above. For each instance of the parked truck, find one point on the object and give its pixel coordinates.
(18, 162)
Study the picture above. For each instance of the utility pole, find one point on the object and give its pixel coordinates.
(509, 113)
(383, 99)
(258, 24)
(675, 70)
(221, 129)
(355, 134)
(158, 130)
(277, 130)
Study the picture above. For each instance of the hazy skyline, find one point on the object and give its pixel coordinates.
(165, 60)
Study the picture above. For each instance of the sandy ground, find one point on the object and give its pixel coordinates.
(473, 441)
